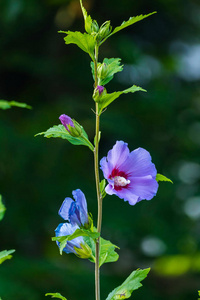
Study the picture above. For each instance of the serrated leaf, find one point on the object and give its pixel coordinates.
(56, 295)
(130, 22)
(59, 131)
(8, 104)
(107, 69)
(83, 40)
(106, 99)
(2, 209)
(6, 254)
(160, 177)
(87, 18)
(79, 232)
(129, 285)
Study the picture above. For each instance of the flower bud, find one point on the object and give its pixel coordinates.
(102, 70)
(73, 127)
(98, 92)
(91, 27)
(104, 31)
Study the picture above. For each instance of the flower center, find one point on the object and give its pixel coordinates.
(120, 181)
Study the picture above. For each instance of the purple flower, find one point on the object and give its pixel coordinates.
(66, 121)
(100, 89)
(131, 175)
(75, 211)
(64, 229)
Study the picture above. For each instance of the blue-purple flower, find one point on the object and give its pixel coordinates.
(76, 214)
(65, 229)
(76, 211)
(131, 175)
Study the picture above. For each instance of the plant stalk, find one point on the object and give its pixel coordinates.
(99, 198)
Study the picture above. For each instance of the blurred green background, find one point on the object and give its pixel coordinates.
(161, 54)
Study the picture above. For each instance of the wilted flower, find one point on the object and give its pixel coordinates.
(131, 175)
(77, 245)
(75, 211)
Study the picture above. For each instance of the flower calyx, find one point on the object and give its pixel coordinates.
(84, 251)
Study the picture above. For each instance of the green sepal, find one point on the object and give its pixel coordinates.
(83, 40)
(79, 232)
(107, 251)
(8, 104)
(56, 295)
(160, 177)
(59, 131)
(130, 22)
(91, 26)
(104, 32)
(5, 254)
(109, 98)
(129, 285)
(2, 209)
(106, 70)
(102, 188)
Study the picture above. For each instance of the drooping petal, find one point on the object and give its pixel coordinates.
(118, 154)
(139, 164)
(65, 208)
(81, 205)
(64, 229)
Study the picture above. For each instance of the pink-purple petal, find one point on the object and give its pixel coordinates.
(118, 154)
(135, 168)
(145, 187)
(106, 167)
(139, 164)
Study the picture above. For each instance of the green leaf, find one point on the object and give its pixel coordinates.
(79, 232)
(107, 252)
(2, 209)
(129, 285)
(131, 21)
(8, 104)
(102, 188)
(6, 254)
(88, 20)
(83, 40)
(107, 69)
(160, 177)
(59, 131)
(56, 295)
(106, 99)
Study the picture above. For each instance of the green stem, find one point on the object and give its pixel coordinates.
(99, 198)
